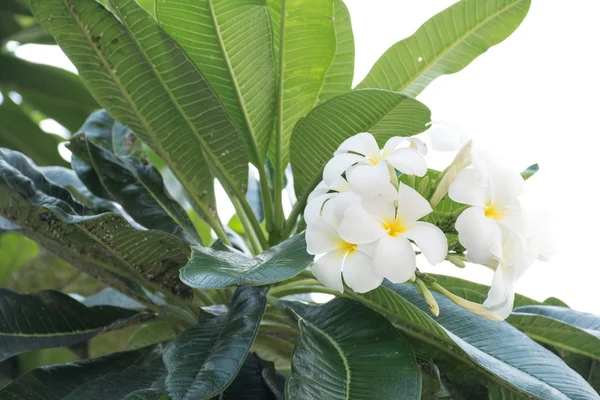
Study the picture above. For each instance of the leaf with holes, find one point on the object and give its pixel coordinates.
(345, 349)
(148, 83)
(230, 42)
(445, 44)
(224, 341)
(317, 136)
(213, 269)
(52, 319)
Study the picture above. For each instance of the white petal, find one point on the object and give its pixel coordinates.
(338, 165)
(514, 220)
(408, 161)
(411, 205)
(395, 259)
(321, 188)
(482, 256)
(501, 295)
(418, 144)
(478, 232)
(369, 249)
(328, 270)
(359, 273)
(334, 210)
(505, 185)
(467, 189)
(359, 227)
(442, 138)
(315, 206)
(430, 239)
(369, 180)
(362, 143)
(393, 143)
(339, 185)
(321, 237)
(382, 207)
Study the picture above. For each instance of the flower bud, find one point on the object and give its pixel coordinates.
(429, 299)
(475, 308)
(444, 184)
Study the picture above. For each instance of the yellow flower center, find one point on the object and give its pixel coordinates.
(492, 211)
(394, 227)
(347, 248)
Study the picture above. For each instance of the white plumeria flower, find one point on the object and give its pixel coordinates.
(366, 166)
(337, 196)
(446, 137)
(390, 220)
(495, 204)
(337, 256)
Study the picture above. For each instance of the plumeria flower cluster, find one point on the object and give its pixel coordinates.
(362, 222)
(495, 229)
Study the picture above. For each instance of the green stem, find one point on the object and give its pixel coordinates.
(218, 228)
(248, 228)
(279, 167)
(265, 194)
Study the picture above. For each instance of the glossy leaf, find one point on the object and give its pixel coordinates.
(51, 319)
(347, 351)
(496, 349)
(191, 358)
(212, 269)
(116, 376)
(231, 43)
(250, 382)
(560, 327)
(147, 82)
(15, 250)
(305, 48)
(445, 44)
(19, 132)
(341, 72)
(105, 246)
(317, 136)
(56, 93)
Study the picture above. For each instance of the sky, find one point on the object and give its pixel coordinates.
(531, 99)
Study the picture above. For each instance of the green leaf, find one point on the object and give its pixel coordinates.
(341, 73)
(19, 132)
(148, 83)
(305, 46)
(105, 246)
(317, 136)
(213, 269)
(562, 328)
(56, 93)
(496, 349)
(347, 351)
(588, 368)
(204, 360)
(250, 382)
(15, 250)
(530, 171)
(112, 377)
(151, 333)
(51, 319)
(445, 44)
(230, 42)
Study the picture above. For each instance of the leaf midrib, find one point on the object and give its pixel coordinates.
(340, 353)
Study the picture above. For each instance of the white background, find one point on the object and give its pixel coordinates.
(532, 98)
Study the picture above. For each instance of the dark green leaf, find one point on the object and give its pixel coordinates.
(56, 93)
(249, 384)
(105, 246)
(19, 132)
(341, 73)
(560, 327)
(347, 351)
(51, 319)
(317, 136)
(204, 360)
(212, 269)
(33, 34)
(113, 377)
(147, 82)
(588, 368)
(445, 44)
(231, 43)
(496, 349)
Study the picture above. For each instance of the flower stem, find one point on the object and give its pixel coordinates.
(249, 229)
